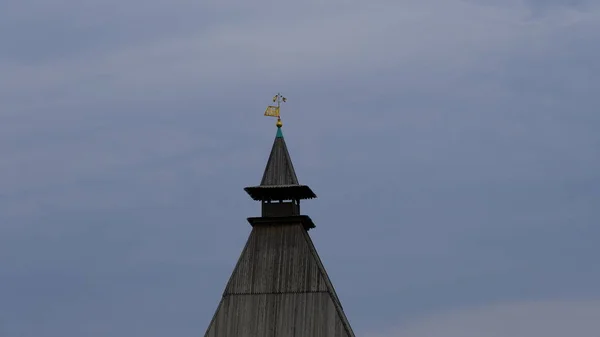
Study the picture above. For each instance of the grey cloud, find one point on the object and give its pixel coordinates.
(527, 319)
(452, 143)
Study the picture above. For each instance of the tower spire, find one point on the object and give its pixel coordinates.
(279, 181)
(279, 287)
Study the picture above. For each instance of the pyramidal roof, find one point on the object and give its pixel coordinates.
(280, 170)
(279, 181)
(279, 286)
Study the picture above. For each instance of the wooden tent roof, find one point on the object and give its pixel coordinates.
(279, 181)
(279, 287)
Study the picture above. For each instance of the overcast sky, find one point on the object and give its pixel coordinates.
(454, 146)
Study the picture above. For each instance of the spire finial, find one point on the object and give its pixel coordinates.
(273, 111)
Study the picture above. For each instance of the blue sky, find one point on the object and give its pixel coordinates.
(453, 145)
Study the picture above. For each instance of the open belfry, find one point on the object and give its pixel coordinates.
(279, 287)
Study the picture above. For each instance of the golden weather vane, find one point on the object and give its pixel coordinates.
(273, 111)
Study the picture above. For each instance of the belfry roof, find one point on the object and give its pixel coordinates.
(279, 181)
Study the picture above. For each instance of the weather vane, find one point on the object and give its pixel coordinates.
(273, 111)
